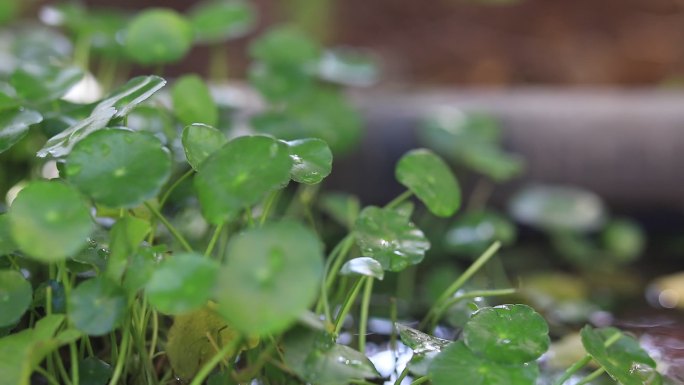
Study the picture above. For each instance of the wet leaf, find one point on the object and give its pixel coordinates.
(49, 221)
(365, 266)
(15, 296)
(624, 240)
(285, 46)
(239, 174)
(126, 236)
(473, 232)
(192, 101)
(119, 168)
(93, 371)
(97, 306)
(215, 21)
(44, 83)
(182, 283)
(200, 141)
(512, 334)
(624, 360)
(558, 208)
(343, 208)
(158, 36)
(14, 125)
(311, 160)
(390, 238)
(456, 364)
(316, 358)
(427, 176)
(424, 346)
(117, 105)
(261, 266)
(348, 67)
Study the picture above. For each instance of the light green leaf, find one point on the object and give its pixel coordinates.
(158, 36)
(126, 236)
(215, 21)
(311, 160)
(200, 141)
(49, 221)
(119, 168)
(44, 83)
(624, 240)
(365, 266)
(15, 296)
(97, 306)
(14, 125)
(192, 101)
(285, 46)
(427, 176)
(261, 266)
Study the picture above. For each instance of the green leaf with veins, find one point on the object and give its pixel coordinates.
(14, 125)
(158, 36)
(15, 296)
(97, 306)
(200, 141)
(192, 101)
(389, 237)
(510, 334)
(311, 160)
(215, 21)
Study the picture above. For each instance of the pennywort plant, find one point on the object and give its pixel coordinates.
(158, 244)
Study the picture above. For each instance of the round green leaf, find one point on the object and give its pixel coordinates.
(363, 266)
(158, 36)
(473, 232)
(285, 45)
(15, 296)
(311, 160)
(93, 371)
(239, 174)
(182, 283)
(456, 364)
(192, 101)
(278, 267)
(621, 356)
(200, 141)
(119, 168)
(14, 125)
(215, 21)
(49, 221)
(97, 306)
(427, 176)
(507, 333)
(279, 83)
(390, 238)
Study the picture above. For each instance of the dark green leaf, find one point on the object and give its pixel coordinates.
(511, 334)
(192, 101)
(624, 360)
(200, 141)
(425, 348)
(285, 45)
(44, 83)
(158, 36)
(427, 176)
(6, 243)
(97, 306)
(116, 105)
(126, 236)
(365, 266)
(311, 160)
(390, 238)
(215, 21)
(119, 168)
(14, 125)
(15, 296)
(182, 283)
(93, 371)
(261, 266)
(456, 364)
(239, 174)
(49, 221)
(279, 83)
(473, 232)
(316, 358)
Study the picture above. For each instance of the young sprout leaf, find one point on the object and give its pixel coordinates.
(474, 231)
(311, 160)
(97, 306)
(624, 360)
(424, 346)
(182, 283)
(15, 296)
(215, 21)
(239, 174)
(14, 125)
(390, 238)
(366, 266)
(427, 176)
(49, 221)
(117, 105)
(457, 364)
(93, 371)
(509, 334)
(192, 101)
(316, 358)
(200, 141)
(119, 168)
(44, 83)
(262, 267)
(158, 36)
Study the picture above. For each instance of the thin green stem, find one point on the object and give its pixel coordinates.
(470, 294)
(444, 297)
(175, 184)
(402, 375)
(421, 380)
(49, 377)
(574, 368)
(213, 240)
(170, 227)
(61, 369)
(346, 306)
(123, 353)
(591, 376)
(399, 199)
(155, 332)
(73, 351)
(337, 258)
(221, 355)
(270, 202)
(363, 317)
